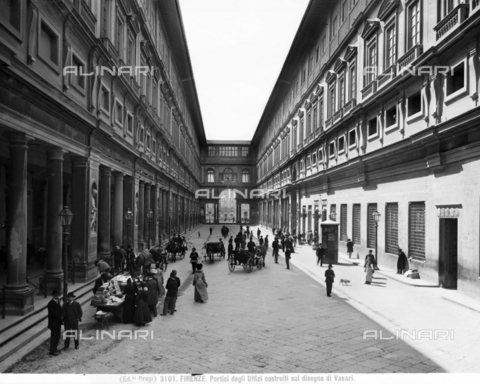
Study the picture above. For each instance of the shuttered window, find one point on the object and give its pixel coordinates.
(416, 231)
(343, 222)
(391, 228)
(371, 233)
(356, 224)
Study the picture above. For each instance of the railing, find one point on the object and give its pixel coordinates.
(328, 122)
(39, 289)
(87, 15)
(411, 55)
(349, 105)
(387, 75)
(338, 115)
(370, 89)
(454, 18)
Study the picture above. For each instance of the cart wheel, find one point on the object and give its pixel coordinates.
(260, 264)
(231, 266)
(250, 264)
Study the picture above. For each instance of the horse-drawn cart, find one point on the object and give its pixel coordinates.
(246, 259)
(214, 249)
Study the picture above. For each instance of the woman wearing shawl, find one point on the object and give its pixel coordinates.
(201, 295)
(142, 312)
(129, 304)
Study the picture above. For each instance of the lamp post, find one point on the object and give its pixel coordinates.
(66, 219)
(128, 219)
(376, 216)
(150, 217)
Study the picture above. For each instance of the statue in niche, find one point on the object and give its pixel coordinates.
(136, 208)
(93, 212)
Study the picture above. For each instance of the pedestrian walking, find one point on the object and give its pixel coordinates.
(142, 311)
(402, 262)
(159, 279)
(260, 240)
(275, 247)
(173, 284)
(320, 254)
(130, 259)
(129, 303)
(199, 235)
(230, 250)
(72, 315)
(295, 238)
(329, 278)
(54, 321)
(211, 229)
(194, 259)
(349, 248)
(266, 242)
(287, 257)
(258, 233)
(369, 269)
(201, 295)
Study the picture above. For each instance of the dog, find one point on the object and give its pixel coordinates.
(344, 281)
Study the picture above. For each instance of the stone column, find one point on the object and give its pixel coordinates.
(118, 209)
(141, 212)
(54, 268)
(81, 210)
(128, 203)
(18, 296)
(104, 216)
(148, 225)
(155, 208)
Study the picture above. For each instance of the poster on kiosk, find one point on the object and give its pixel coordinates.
(330, 241)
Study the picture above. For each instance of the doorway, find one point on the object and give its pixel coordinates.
(447, 267)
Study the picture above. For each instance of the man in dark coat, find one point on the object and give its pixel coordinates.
(320, 254)
(230, 250)
(129, 303)
(349, 248)
(258, 233)
(276, 248)
(194, 258)
(260, 240)
(54, 321)
(117, 259)
(251, 246)
(402, 262)
(173, 284)
(211, 229)
(287, 257)
(72, 315)
(329, 277)
(152, 294)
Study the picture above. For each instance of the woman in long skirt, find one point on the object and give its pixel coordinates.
(142, 312)
(129, 303)
(369, 271)
(159, 278)
(201, 295)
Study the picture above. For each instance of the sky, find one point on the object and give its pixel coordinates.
(237, 49)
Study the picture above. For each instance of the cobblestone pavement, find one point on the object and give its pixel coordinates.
(272, 320)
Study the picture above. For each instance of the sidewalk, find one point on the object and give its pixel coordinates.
(399, 303)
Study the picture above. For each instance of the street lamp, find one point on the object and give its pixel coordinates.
(150, 217)
(376, 216)
(128, 219)
(66, 219)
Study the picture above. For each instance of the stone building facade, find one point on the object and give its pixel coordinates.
(77, 130)
(376, 111)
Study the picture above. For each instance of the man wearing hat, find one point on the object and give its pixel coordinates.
(54, 321)
(194, 259)
(329, 277)
(72, 315)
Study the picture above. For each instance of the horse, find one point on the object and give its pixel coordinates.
(173, 248)
(144, 261)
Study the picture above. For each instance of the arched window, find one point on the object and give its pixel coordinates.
(245, 176)
(228, 176)
(210, 176)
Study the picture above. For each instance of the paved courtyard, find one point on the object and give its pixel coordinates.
(272, 320)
